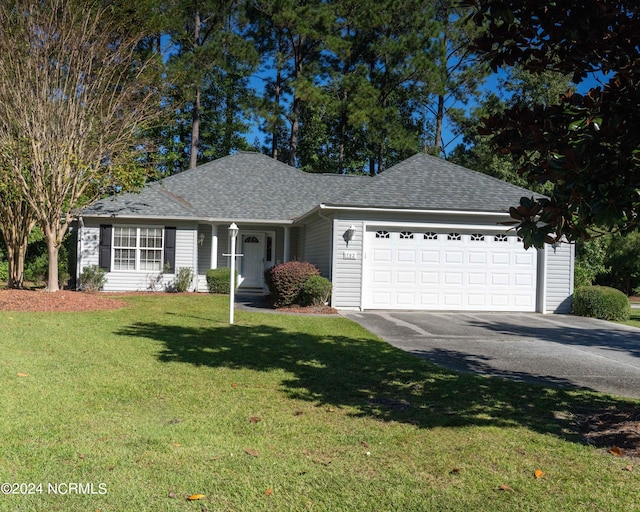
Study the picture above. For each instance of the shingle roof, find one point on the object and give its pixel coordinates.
(426, 182)
(243, 186)
(252, 186)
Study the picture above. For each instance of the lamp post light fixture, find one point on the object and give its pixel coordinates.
(233, 234)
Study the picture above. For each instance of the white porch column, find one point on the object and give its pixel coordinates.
(287, 244)
(214, 246)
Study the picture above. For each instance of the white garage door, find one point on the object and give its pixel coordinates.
(406, 268)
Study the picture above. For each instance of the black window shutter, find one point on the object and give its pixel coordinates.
(104, 254)
(170, 249)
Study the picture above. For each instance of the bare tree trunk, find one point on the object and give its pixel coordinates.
(15, 258)
(295, 128)
(274, 133)
(342, 137)
(298, 45)
(195, 131)
(53, 235)
(52, 275)
(437, 146)
(195, 115)
(16, 222)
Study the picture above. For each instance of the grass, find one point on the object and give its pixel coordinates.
(634, 319)
(162, 400)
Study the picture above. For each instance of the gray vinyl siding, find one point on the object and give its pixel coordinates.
(317, 245)
(559, 278)
(88, 240)
(296, 240)
(204, 256)
(347, 272)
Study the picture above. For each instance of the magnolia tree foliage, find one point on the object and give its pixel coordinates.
(74, 97)
(588, 145)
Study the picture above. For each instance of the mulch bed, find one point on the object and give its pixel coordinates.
(63, 300)
(616, 430)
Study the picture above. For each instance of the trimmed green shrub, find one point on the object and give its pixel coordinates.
(285, 281)
(315, 291)
(601, 302)
(219, 280)
(92, 278)
(183, 279)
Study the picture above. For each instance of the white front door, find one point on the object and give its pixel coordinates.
(251, 273)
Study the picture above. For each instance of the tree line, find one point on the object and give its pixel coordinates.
(333, 86)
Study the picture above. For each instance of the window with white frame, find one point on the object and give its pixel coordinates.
(137, 248)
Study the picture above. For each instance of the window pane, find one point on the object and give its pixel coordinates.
(151, 237)
(150, 259)
(124, 259)
(124, 237)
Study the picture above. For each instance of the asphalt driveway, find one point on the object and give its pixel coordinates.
(559, 350)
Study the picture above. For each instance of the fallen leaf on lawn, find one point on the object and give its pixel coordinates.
(23, 374)
(365, 444)
(81, 455)
(194, 497)
(538, 473)
(616, 451)
(505, 487)
(176, 444)
(251, 452)
(268, 492)
(628, 468)
(233, 385)
(172, 495)
(331, 409)
(254, 419)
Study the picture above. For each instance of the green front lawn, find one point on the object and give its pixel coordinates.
(634, 319)
(152, 403)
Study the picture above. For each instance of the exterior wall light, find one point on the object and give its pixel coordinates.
(350, 233)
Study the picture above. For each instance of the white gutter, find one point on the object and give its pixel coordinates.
(324, 206)
(208, 220)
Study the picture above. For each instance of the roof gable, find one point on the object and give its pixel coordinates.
(430, 183)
